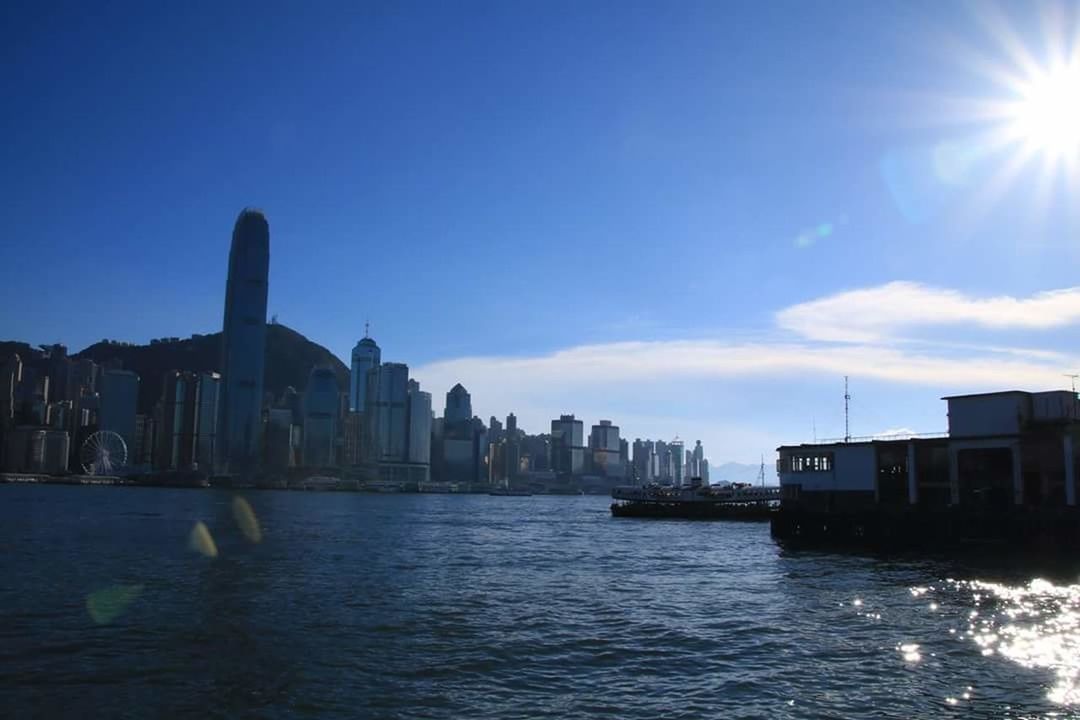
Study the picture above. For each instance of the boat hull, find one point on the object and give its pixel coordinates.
(693, 511)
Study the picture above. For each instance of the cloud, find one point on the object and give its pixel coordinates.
(624, 362)
(662, 388)
(874, 314)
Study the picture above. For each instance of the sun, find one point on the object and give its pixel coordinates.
(1046, 115)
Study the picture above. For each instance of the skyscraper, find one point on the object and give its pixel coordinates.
(177, 422)
(387, 412)
(207, 411)
(419, 425)
(696, 460)
(243, 342)
(320, 418)
(119, 403)
(10, 377)
(604, 449)
(677, 461)
(567, 445)
(644, 461)
(365, 355)
(458, 405)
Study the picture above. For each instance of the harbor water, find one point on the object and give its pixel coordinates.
(113, 604)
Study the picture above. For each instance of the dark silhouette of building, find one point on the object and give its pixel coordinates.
(458, 405)
(321, 406)
(243, 343)
(567, 445)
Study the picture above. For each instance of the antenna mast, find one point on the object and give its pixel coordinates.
(1073, 376)
(847, 425)
(761, 472)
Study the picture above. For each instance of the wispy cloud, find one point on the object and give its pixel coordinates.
(620, 363)
(654, 387)
(874, 314)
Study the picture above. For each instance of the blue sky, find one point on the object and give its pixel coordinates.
(638, 211)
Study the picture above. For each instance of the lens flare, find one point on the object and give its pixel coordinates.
(109, 603)
(246, 520)
(202, 542)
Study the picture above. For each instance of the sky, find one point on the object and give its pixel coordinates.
(693, 219)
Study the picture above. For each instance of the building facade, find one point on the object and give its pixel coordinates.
(243, 343)
(1002, 450)
(321, 404)
(605, 450)
(119, 405)
(365, 356)
(568, 445)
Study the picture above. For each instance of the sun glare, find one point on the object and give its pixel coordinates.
(1047, 115)
(1022, 126)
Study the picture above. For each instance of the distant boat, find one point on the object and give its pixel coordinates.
(510, 493)
(738, 501)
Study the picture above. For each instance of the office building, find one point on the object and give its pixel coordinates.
(10, 377)
(279, 439)
(644, 460)
(119, 400)
(419, 425)
(678, 462)
(243, 343)
(82, 379)
(36, 450)
(387, 412)
(605, 450)
(208, 411)
(184, 427)
(321, 401)
(365, 356)
(458, 405)
(697, 457)
(567, 446)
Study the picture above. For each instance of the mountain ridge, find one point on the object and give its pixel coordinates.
(290, 356)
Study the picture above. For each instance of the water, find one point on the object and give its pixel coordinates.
(511, 607)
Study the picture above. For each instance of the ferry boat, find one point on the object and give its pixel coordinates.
(737, 501)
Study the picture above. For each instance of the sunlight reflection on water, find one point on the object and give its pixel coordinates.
(1035, 625)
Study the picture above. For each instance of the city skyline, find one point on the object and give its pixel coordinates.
(679, 228)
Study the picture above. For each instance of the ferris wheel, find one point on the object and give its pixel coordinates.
(103, 453)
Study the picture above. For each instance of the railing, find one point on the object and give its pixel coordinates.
(870, 438)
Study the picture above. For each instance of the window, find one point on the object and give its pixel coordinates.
(807, 462)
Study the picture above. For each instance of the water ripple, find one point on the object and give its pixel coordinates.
(448, 607)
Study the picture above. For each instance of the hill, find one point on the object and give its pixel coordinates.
(740, 472)
(289, 358)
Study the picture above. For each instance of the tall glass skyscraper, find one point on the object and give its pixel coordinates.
(243, 343)
(458, 405)
(321, 403)
(365, 356)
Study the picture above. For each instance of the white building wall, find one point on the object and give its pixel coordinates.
(854, 468)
